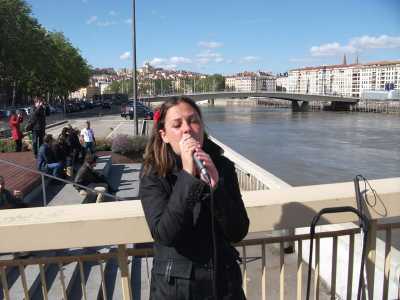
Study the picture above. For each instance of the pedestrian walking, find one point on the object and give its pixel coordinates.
(88, 139)
(14, 122)
(37, 125)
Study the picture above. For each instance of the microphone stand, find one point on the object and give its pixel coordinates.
(364, 225)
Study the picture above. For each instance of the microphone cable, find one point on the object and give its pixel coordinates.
(206, 176)
(363, 224)
(214, 241)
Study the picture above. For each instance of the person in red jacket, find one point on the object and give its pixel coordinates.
(15, 121)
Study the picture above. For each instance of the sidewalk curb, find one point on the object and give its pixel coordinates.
(56, 124)
(26, 133)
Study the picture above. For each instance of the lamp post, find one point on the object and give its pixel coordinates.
(134, 65)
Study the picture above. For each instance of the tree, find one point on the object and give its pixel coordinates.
(34, 61)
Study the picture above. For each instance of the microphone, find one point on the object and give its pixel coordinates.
(202, 169)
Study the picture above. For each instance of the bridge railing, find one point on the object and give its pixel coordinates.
(89, 230)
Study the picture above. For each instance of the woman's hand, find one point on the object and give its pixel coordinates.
(209, 165)
(188, 146)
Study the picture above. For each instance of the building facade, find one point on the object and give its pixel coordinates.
(249, 81)
(345, 80)
(282, 83)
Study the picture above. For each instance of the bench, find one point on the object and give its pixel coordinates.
(68, 195)
(129, 182)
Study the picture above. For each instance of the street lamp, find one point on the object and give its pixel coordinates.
(134, 65)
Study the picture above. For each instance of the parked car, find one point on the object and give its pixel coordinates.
(106, 104)
(142, 111)
(28, 110)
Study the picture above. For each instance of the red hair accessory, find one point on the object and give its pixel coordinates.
(156, 117)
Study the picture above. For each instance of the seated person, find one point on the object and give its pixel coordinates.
(8, 199)
(46, 159)
(87, 176)
(12, 200)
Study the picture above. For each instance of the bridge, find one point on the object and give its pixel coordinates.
(300, 102)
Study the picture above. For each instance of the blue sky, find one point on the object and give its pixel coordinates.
(226, 36)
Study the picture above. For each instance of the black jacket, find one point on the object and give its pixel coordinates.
(8, 200)
(177, 210)
(86, 175)
(38, 120)
(45, 156)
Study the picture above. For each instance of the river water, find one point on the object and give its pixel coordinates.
(310, 147)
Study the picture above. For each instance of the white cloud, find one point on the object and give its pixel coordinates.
(157, 61)
(112, 13)
(371, 42)
(331, 49)
(209, 56)
(357, 44)
(106, 23)
(128, 21)
(169, 63)
(180, 60)
(91, 20)
(249, 59)
(125, 55)
(210, 45)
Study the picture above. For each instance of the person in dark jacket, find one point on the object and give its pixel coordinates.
(8, 199)
(47, 160)
(74, 145)
(89, 177)
(14, 122)
(193, 255)
(37, 125)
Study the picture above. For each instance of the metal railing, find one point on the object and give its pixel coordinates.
(123, 223)
(257, 272)
(44, 175)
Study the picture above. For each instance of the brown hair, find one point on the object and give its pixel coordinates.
(48, 138)
(90, 158)
(158, 155)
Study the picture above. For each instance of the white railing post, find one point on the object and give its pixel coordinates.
(371, 251)
(125, 278)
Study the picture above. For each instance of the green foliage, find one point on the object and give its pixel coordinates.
(125, 144)
(34, 60)
(7, 145)
(148, 87)
(103, 145)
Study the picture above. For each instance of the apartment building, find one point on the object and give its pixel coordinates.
(282, 83)
(345, 80)
(249, 81)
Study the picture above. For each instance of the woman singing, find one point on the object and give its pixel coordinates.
(193, 256)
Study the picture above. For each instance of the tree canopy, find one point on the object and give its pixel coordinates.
(33, 60)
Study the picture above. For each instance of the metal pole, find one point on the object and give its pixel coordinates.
(134, 65)
(44, 191)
